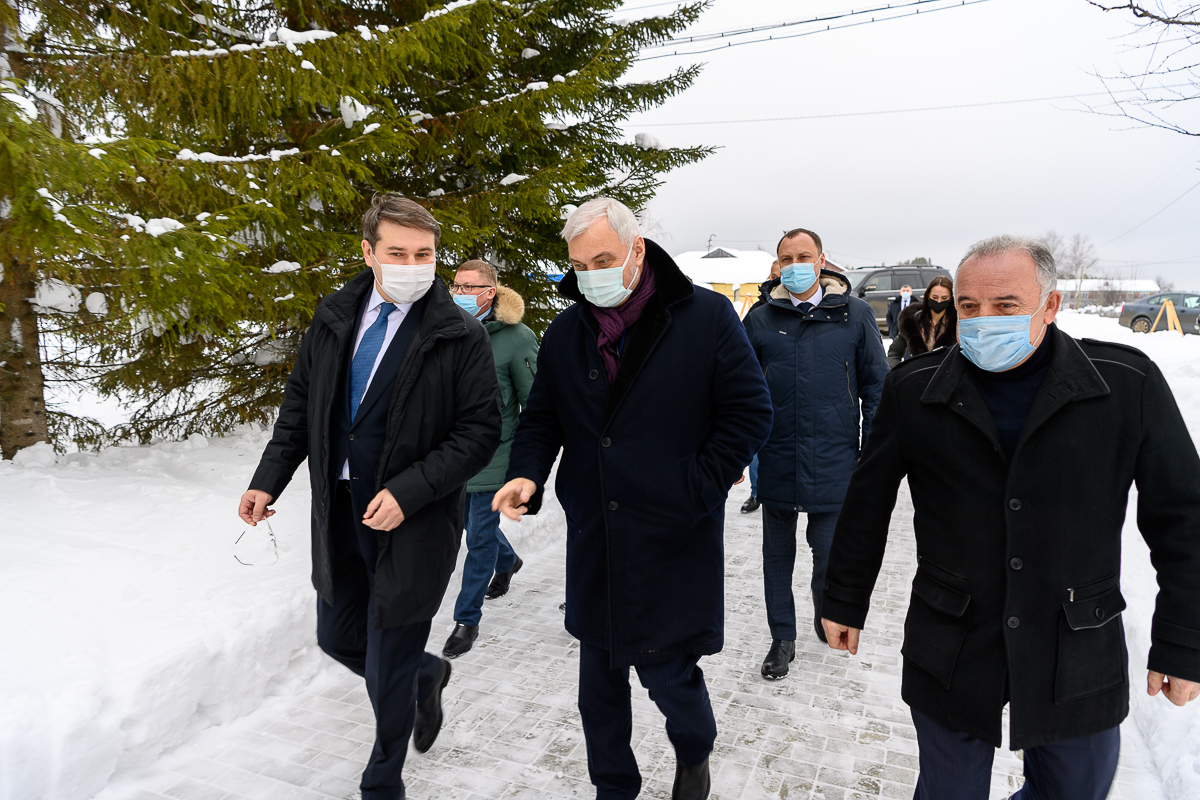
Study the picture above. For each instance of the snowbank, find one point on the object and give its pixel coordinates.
(1172, 734)
(130, 626)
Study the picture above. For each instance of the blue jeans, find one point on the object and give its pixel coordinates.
(957, 766)
(676, 687)
(779, 560)
(754, 476)
(488, 552)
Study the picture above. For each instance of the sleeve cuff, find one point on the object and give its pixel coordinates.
(1174, 660)
(535, 503)
(845, 606)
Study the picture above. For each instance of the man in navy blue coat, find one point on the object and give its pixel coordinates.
(824, 360)
(648, 386)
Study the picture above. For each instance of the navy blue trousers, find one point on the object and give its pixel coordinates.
(393, 661)
(956, 766)
(676, 687)
(779, 561)
(488, 552)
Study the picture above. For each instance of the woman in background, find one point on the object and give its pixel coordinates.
(927, 325)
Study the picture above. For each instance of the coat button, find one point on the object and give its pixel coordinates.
(351, 437)
(606, 441)
(593, 374)
(1016, 563)
(612, 505)
(1100, 613)
(1014, 504)
(1013, 622)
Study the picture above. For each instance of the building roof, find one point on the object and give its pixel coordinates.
(726, 265)
(1101, 285)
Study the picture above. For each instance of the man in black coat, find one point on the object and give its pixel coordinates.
(897, 307)
(394, 402)
(648, 386)
(1020, 485)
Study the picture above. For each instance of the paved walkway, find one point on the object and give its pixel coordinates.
(834, 729)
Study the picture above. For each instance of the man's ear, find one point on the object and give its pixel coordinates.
(366, 248)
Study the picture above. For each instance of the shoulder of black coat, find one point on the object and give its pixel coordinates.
(1113, 352)
(925, 363)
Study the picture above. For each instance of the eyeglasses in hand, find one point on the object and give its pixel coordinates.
(256, 551)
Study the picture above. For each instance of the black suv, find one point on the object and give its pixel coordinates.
(879, 286)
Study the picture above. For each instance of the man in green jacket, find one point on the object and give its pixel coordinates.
(515, 349)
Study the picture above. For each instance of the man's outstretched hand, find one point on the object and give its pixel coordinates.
(1177, 690)
(383, 513)
(253, 507)
(840, 637)
(513, 498)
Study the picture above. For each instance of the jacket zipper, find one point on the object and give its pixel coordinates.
(849, 393)
(529, 367)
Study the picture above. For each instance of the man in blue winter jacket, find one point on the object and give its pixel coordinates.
(822, 355)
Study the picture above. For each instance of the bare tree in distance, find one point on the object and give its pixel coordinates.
(1164, 284)
(1171, 75)
(1054, 241)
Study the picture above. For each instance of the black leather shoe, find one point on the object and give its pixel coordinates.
(460, 640)
(751, 505)
(499, 585)
(691, 783)
(563, 606)
(775, 665)
(429, 714)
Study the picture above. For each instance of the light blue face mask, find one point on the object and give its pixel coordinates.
(798, 278)
(468, 303)
(606, 287)
(997, 344)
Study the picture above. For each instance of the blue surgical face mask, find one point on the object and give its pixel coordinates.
(606, 287)
(997, 344)
(468, 303)
(798, 278)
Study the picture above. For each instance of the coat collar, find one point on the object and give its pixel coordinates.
(507, 309)
(1070, 378)
(671, 285)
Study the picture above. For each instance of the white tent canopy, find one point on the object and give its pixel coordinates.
(1102, 285)
(724, 265)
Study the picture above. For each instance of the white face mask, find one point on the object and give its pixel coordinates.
(406, 283)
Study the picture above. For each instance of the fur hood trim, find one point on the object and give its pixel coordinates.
(508, 308)
(831, 283)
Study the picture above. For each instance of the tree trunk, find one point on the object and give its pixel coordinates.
(22, 386)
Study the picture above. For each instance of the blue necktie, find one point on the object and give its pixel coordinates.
(364, 359)
(806, 307)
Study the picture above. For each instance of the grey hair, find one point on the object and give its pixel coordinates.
(1036, 249)
(620, 219)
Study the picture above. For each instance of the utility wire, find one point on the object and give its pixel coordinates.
(1152, 216)
(878, 113)
(708, 37)
(826, 29)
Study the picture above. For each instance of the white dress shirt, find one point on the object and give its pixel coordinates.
(815, 299)
(393, 324)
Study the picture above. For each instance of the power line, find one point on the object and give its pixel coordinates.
(1152, 216)
(826, 29)
(708, 37)
(879, 113)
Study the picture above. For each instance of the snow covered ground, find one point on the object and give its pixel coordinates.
(131, 628)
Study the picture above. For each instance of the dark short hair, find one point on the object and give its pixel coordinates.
(485, 270)
(400, 211)
(796, 232)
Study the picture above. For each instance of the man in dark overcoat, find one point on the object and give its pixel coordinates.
(393, 400)
(648, 386)
(1020, 480)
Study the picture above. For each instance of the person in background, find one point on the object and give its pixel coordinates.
(764, 295)
(896, 307)
(643, 482)
(514, 349)
(823, 358)
(392, 401)
(927, 325)
(1017, 598)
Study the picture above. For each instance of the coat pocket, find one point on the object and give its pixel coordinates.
(1091, 646)
(936, 625)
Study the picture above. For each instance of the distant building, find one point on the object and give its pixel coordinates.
(1102, 292)
(733, 273)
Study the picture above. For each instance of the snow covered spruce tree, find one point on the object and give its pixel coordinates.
(193, 176)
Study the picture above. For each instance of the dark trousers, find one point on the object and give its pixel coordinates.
(488, 552)
(393, 661)
(779, 560)
(754, 476)
(677, 688)
(956, 766)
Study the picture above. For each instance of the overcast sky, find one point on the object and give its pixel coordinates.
(884, 188)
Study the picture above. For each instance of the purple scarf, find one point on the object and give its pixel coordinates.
(614, 322)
